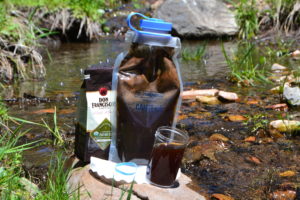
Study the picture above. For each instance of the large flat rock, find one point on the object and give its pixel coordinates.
(196, 18)
(92, 188)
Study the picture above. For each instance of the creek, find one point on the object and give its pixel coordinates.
(219, 167)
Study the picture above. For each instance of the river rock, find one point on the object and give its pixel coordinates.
(227, 96)
(191, 94)
(288, 173)
(196, 18)
(150, 192)
(278, 67)
(295, 54)
(292, 94)
(283, 195)
(218, 137)
(285, 125)
(208, 100)
(92, 188)
(221, 197)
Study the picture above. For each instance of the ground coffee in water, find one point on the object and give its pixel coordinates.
(147, 95)
(94, 128)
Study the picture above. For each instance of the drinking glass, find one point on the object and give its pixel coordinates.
(166, 156)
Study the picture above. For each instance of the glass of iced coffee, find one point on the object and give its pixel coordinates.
(166, 156)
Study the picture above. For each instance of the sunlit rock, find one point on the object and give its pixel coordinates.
(285, 125)
(208, 100)
(278, 67)
(283, 195)
(288, 173)
(191, 94)
(218, 137)
(196, 18)
(292, 95)
(221, 197)
(227, 96)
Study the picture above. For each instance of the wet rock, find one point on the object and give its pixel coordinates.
(278, 67)
(292, 94)
(250, 139)
(235, 118)
(285, 125)
(208, 100)
(227, 96)
(276, 90)
(295, 54)
(191, 94)
(145, 191)
(218, 137)
(196, 18)
(252, 102)
(288, 173)
(42, 111)
(181, 117)
(253, 160)
(221, 197)
(203, 150)
(283, 195)
(279, 107)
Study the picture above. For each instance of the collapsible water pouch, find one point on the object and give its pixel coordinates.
(148, 85)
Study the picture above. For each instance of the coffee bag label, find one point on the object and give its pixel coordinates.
(99, 107)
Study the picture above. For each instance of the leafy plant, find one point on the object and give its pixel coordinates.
(258, 121)
(246, 14)
(194, 55)
(244, 69)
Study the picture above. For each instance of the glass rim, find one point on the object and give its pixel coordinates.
(182, 133)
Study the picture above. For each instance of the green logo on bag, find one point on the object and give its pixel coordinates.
(102, 134)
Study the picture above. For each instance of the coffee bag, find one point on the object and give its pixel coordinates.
(93, 126)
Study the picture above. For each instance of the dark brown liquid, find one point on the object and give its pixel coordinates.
(164, 163)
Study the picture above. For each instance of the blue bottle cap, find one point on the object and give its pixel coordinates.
(151, 26)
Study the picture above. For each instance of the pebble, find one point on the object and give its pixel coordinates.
(285, 125)
(221, 197)
(208, 100)
(218, 137)
(277, 66)
(228, 96)
(283, 195)
(192, 94)
(250, 139)
(288, 173)
(236, 118)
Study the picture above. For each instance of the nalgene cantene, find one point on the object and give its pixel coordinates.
(148, 85)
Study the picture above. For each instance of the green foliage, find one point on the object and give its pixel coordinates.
(56, 186)
(11, 165)
(247, 18)
(194, 55)
(258, 121)
(57, 137)
(244, 68)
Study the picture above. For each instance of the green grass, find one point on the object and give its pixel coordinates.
(58, 139)
(13, 183)
(197, 54)
(245, 69)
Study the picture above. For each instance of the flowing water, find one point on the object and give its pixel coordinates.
(216, 167)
